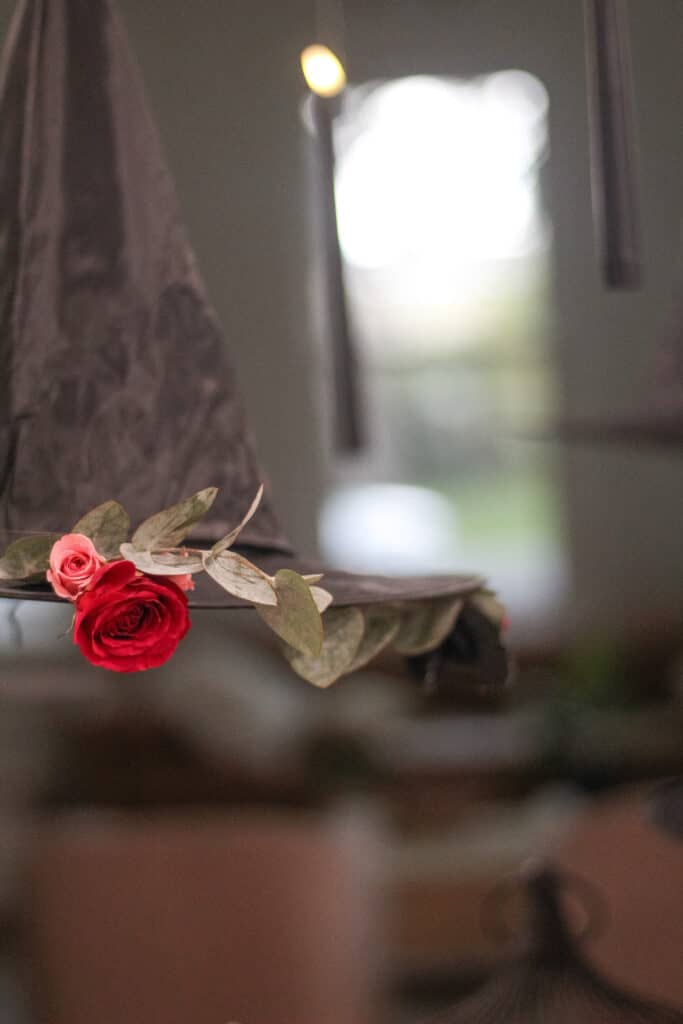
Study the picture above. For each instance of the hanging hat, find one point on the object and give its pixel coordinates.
(658, 422)
(116, 380)
(552, 982)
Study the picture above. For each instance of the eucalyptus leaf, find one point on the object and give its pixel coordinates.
(107, 526)
(381, 626)
(162, 563)
(344, 628)
(426, 624)
(488, 604)
(168, 528)
(323, 599)
(230, 538)
(239, 577)
(295, 619)
(69, 630)
(27, 557)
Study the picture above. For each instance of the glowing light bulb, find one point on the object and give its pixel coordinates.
(323, 71)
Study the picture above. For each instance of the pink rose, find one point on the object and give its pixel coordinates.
(74, 561)
(185, 582)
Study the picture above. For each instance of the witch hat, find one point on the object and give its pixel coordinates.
(658, 424)
(551, 981)
(614, 164)
(116, 381)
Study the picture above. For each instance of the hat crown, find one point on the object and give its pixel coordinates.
(115, 380)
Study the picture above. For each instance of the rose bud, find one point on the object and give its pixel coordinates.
(74, 560)
(185, 582)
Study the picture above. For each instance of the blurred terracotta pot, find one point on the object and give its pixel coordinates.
(260, 918)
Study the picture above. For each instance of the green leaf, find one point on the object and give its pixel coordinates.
(27, 557)
(107, 526)
(381, 626)
(426, 624)
(344, 629)
(162, 563)
(240, 578)
(169, 528)
(295, 618)
(230, 538)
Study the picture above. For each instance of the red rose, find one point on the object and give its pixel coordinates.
(127, 621)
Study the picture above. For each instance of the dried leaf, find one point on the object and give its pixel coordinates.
(230, 538)
(169, 528)
(489, 605)
(240, 578)
(426, 624)
(162, 563)
(323, 599)
(107, 526)
(296, 618)
(381, 626)
(69, 630)
(27, 557)
(344, 629)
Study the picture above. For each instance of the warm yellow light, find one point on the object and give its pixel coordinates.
(323, 71)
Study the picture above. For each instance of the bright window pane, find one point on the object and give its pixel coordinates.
(446, 248)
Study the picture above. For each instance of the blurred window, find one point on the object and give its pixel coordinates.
(447, 261)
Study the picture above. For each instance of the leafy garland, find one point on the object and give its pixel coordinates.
(131, 605)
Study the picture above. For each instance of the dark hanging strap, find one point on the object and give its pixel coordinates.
(348, 430)
(613, 144)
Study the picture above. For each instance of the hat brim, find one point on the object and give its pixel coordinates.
(346, 588)
(655, 428)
